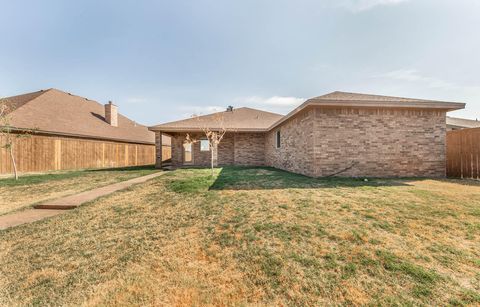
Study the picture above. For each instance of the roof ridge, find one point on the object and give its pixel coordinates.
(399, 98)
(29, 93)
(243, 118)
(259, 110)
(77, 116)
(95, 101)
(22, 103)
(75, 95)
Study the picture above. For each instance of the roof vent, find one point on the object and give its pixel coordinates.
(230, 109)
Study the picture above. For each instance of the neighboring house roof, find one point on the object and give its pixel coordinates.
(16, 102)
(456, 122)
(247, 119)
(241, 119)
(55, 112)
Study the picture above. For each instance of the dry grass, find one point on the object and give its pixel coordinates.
(253, 237)
(32, 189)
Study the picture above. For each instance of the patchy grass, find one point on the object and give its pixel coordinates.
(253, 236)
(31, 189)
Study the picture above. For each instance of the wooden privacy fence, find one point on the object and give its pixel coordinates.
(463, 153)
(39, 153)
(166, 152)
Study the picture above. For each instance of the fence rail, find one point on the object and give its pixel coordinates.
(39, 153)
(463, 153)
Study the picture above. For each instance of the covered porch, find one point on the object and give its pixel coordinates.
(235, 148)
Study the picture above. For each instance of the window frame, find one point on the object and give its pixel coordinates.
(208, 145)
(278, 139)
(185, 162)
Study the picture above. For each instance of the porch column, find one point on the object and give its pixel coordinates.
(158, 149)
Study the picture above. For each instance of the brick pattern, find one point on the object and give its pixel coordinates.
(111, 114)
(296, 145)
(226, 150)
(177, 149)
(379, 142)
(158, 150)
(234, 149)
(200, 158)
(354, 141)
(249, 149)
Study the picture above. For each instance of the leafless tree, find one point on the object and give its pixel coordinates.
(214, 130)
(8, 133)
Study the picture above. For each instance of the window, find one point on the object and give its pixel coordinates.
(277, 139)
(187, 153)
(204, 145)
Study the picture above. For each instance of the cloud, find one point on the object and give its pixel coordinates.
(278, 104)
(189, 111)
(413, 75)
(278, 101)
(414, 80)
(365, 5)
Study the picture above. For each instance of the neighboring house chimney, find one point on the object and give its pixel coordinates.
(111, 114)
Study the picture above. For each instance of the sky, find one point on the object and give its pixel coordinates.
(165, 60)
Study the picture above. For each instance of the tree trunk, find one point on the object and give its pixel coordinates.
(13, 162)
(211, 159)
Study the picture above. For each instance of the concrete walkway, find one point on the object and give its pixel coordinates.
(59, 206)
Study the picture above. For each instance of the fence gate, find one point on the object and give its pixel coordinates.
(463, 150)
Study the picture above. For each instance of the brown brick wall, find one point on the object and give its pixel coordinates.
(177, 149)
(296, 145)
(379, 142)
(323, 141)
(235, 148)
(158, 149)
(225, 150)
(200, 158)
(249, 149)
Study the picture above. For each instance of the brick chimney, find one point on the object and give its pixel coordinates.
(111, 114)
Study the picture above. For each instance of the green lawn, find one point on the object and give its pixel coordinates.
(31, 189)
(253, 236)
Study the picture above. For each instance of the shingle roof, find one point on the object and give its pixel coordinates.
(16, 102)
(344, 99)
(462, 122)
(247, 119)
(383, 101)
(345, 96)
(241, 119)
(57, 112)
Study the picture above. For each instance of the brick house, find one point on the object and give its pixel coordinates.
(343, 134)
